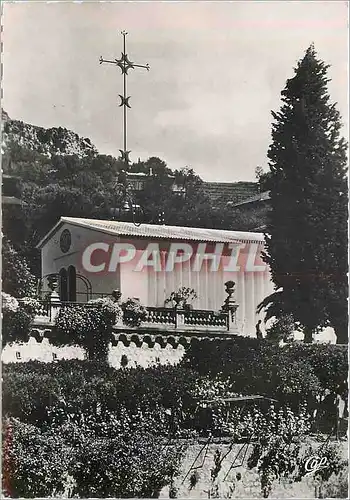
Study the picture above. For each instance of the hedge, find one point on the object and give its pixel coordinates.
(86, 459)
(292, 374)
(30, 389)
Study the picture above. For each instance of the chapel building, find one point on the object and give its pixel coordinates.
(92, 258)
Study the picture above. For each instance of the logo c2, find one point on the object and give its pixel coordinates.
(315, 463)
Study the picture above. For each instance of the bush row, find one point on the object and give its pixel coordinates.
(173, 397)
(89, 459)
(292, 373)
(31, 389)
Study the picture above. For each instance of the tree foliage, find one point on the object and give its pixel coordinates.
(17, 279)
(307, 237)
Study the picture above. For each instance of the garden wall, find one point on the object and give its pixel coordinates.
(143, 356)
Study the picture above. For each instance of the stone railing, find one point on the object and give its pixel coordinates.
(162, 318)
(206, 318)
(186, 319)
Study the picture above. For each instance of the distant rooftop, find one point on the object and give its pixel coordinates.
(230, 192)
(254, 199)
(136, 174)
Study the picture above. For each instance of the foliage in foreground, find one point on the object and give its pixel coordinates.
(30, 389)
(88, 457)
(98, 427)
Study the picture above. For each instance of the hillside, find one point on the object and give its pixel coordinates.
(43, 159)
(48, 142)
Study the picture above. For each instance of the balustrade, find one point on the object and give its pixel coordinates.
(160, 315)
(181, 319)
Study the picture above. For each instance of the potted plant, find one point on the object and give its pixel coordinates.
(182, 298)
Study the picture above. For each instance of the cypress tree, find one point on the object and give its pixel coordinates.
(307, 237)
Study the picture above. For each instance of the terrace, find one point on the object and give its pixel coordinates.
(162, 325)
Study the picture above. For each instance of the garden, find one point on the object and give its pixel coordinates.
(80, 428)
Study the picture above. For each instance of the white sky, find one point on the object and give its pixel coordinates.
(217, 70)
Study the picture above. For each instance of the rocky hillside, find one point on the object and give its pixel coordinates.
(52, 141)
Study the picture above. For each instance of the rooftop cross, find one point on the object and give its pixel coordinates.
(125, 65)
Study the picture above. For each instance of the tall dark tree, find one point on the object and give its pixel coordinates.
(307, 226)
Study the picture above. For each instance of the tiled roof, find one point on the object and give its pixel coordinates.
(10, 200)
(233, 192)
(158, 231)
(253, 199)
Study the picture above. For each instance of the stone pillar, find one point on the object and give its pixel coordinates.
(230, 306)
(117, 295)
(54, 297)
(179, 317)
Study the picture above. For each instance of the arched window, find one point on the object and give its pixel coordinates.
(63, 285)
(72, 284)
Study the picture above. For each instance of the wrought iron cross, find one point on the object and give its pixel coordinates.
(124, 64)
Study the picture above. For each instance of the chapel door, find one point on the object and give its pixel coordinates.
(72, 284)
(63, 285)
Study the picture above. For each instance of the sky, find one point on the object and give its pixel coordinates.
(217, 71)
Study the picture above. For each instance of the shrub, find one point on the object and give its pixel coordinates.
(282, 329)
(133, 312)
(337, 485)
(32, 306)
(115, 456)
(8, 303)
(88, 326)
(127, 466)
(124, 361)
(17, 318)
(329, 362)
(31, 389)
(293, 373)
(35, 464)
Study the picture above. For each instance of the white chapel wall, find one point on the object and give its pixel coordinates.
(143, 356)
(53, 259)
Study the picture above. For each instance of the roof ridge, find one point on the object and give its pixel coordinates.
(162, 232)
